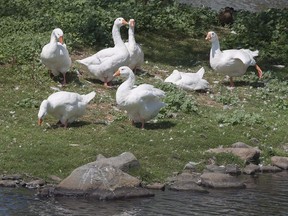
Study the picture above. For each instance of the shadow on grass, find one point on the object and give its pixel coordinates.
(157, 125)
(242, 83)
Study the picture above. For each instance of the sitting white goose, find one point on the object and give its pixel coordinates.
(55, 55)
(135, 50)
(65, 106)
(142, 103)
(232, 62)
(188, 81)
(104, 63)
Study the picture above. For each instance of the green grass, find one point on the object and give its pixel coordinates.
(192, 122)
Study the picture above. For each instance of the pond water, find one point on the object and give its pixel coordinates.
(250, 5)
(266, 196)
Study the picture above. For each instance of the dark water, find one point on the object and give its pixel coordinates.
(268, 195)
(250, 5)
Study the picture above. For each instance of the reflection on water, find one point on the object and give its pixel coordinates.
(268, 196)
(251, 5)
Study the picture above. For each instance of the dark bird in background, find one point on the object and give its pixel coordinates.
(226, 16)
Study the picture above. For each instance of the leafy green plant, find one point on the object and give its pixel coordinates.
(240, 117)
(177, 101)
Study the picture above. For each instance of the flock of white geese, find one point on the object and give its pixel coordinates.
(143, 102)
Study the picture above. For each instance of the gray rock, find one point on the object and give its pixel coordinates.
(103, 179)
(156, 186)
(270, 168)
(232, 169)
(99, 176)
(251, 169)
(124, 161)
(35, 183)
(190, 166)
(12, 177)
(55, 178)
(240, 145)
(220, 180)
(8, 183)
(214, 168)
(246, 154)
(281, 162)
(187, 186)
(186, 181)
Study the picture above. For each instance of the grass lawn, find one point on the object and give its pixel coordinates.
(255, 112)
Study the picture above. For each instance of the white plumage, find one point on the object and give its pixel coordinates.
(135, 50)
(232, 62)
(188, 81)
(104, 63)
(143, 102)
(55, 55)
(64, 106)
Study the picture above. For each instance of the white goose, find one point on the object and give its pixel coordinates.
(65, 106)
(188, 81)
(136, 53)
(104, 63)
(142, 103)
(232, 62)
(55, 55)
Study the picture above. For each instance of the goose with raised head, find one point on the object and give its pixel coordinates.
(55, 55)
(135, 50)
(104, 63)
(188, 81)
(143, 102)
(232, 62)
(64, 106)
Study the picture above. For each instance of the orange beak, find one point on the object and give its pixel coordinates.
(208, 37)
(124, 22)
(132, 22)
(61, 40)
(117, 73)
(40, 121)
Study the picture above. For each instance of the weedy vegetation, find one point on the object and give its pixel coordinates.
(172, 36)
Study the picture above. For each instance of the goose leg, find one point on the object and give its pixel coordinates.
(231, 82)
(64, 79)
(260, 73)
(142, 126)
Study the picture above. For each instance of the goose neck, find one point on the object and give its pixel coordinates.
(215, 48)
(131, 36)
(116, 36)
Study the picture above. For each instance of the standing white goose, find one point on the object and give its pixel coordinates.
(188, 81)
(104, 63)
(55, 55)
(65, 106)
(135, 51)
(142, 103)
(232, 62)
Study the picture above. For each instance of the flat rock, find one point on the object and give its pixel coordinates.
(281, 162)
(240, 145)
(187, 182)
(220, 180)
(124, 161)
(246, 154)
(251, 169)
(270, 168)
(103, 179)
(8, 183)
(156, 186)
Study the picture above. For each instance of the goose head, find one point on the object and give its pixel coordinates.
(58, 34)
(132, 23)
(42, 111)
(211, 36)
(123, 72)
(120, 22)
